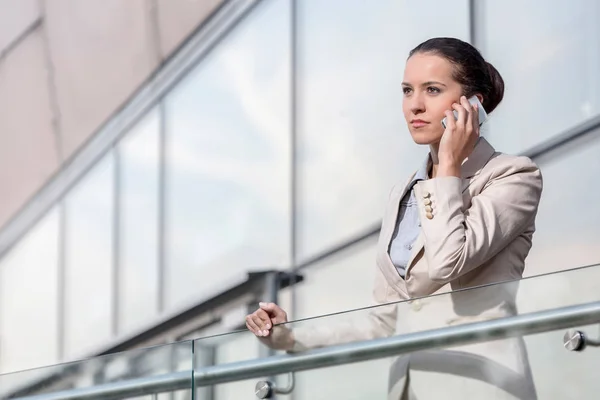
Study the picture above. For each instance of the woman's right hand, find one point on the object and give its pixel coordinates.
(264, 323)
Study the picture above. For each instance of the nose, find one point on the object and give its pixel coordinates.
(416, 104)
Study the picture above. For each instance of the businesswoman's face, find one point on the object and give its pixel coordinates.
(429, 90)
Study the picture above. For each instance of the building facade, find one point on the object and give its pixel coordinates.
(155, 151)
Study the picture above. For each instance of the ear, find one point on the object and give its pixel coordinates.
(480, 97)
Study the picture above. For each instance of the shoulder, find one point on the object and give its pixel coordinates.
(518, 171)
(502, 164)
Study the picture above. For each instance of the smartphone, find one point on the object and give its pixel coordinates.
(482, 114)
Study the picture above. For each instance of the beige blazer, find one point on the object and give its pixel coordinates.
(478, 231)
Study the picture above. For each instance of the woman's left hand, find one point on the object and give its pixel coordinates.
(459, 138)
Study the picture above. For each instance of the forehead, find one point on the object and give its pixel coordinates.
(423, 67)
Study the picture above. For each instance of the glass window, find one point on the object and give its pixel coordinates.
(567, 233)
(88, 260)
(228, 160)
(29, 298)
(342, 281)
(353, 141)
(550, 68)
(139, 160)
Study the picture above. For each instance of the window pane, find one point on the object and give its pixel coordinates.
(138, 252)
(29, 299)
(228, 147)
(550, 67)
(567, 224)
(342, 281)
(88, 261)
(353, 140)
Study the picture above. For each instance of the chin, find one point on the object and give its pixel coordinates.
(425, 138)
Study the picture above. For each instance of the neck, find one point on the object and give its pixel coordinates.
(435, 161)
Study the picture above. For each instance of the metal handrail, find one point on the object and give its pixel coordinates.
(527, 324)
(124, 389)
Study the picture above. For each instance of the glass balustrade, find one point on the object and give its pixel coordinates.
(505, 340)
(520, 367)
(130, 372)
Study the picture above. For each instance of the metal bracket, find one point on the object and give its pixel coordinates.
(574, 340)
(266, 389)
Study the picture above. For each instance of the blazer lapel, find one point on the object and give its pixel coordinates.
(476, 161)
(417, 247)
(398, 194)
(470, 169)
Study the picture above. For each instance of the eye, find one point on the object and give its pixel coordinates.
(406, 90)
(433, 90)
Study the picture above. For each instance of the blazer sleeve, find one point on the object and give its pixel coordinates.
(365, 324)
(458, 240)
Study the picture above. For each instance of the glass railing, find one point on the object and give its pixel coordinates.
(503, 357)
(126, 375)
(498, 341)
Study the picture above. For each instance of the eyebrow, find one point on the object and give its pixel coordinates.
(428, 83)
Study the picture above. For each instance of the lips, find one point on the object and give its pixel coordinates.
(418, 123)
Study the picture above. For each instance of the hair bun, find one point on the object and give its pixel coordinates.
(496, 94)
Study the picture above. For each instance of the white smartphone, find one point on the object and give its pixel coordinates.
(482, 114)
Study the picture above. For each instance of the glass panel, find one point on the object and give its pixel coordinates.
(550, 69)
(509, 364)
(479, 304)
(366, 380)
(139, 161)
(228, 160)
(556, 374)
(561, 374)
(89, 261)
(567, 223)
(511, 368)
(570, 287)
(229, 348)
(113, 368)
(228, 351)
(29, 298)
(353, 142)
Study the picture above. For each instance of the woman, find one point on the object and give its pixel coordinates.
(465, 218)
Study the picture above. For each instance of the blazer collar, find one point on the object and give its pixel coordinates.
(481, 154)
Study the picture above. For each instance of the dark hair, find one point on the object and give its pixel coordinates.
(471, 70)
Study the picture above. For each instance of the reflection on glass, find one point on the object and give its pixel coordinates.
(29, 298)
(97, 371)
(365, 380)
(549, 68)
(228, 163)
(567, 234)
(138, 251)
(557, 374)
(568, 288)
(482, 370)
(509, 364)
(353, 141)
(517, 366)
(88, 260)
